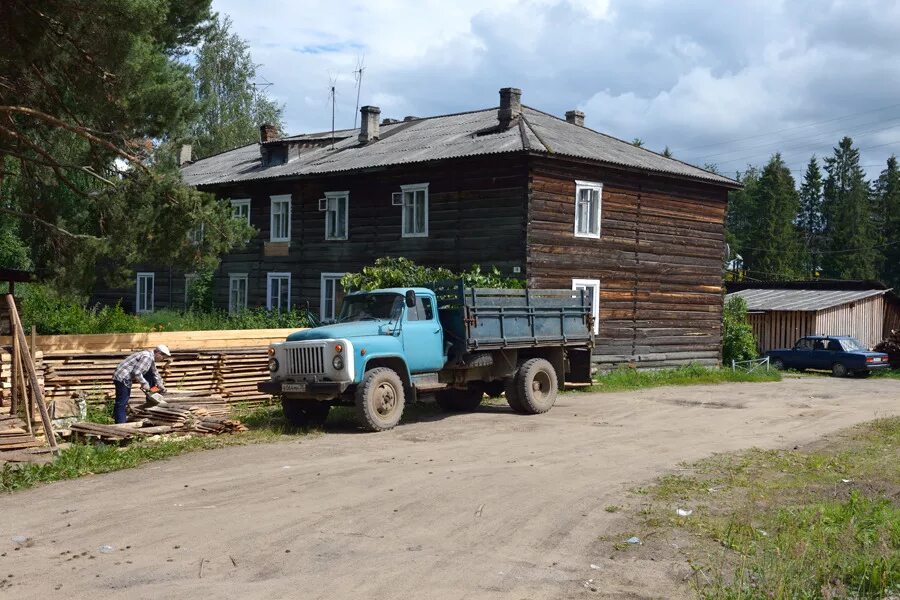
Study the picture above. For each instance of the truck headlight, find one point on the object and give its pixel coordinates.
(273, 364)
(337, 362)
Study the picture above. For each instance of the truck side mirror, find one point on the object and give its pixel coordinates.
(410, 298)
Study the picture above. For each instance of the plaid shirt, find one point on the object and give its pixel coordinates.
(134, 367)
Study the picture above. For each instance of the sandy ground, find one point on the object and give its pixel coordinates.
(484, 505)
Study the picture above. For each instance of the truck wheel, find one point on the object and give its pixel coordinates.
(512, 395)
(466, 400)
(536, 386)
(303, 414)
(838, 370)
(379, 399)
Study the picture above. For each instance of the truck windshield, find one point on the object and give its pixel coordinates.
(852, 345)
(371, 307)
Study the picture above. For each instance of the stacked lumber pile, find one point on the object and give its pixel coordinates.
(230, 373)
(178, 412)
(891, 347)
(6, 373)
(14, 433)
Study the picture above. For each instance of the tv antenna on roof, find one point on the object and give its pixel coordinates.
(358, 75)
(331, 94)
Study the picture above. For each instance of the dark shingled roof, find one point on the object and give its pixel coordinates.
(442, 137)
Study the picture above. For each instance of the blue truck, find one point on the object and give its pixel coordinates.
(448, 344)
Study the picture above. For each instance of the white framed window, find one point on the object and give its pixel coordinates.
(195, 236)
(189, 279)
(588, 197)
(415, 210)
(143, 302)
(240, 209)
(337, 206)
(592, 287)
(280, 219)
(278, 291)
(331, 296)
(237, 292)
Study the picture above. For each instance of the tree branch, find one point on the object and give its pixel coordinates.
(77, 130)
(57, 228)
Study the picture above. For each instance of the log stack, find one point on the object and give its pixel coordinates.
(231, 374)
(14, 433)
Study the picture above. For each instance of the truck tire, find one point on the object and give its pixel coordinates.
(467, 400)
(536, 386)
(512, 395)
(379, 399)
(305, 413)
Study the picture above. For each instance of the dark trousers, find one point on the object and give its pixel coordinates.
(123, 395)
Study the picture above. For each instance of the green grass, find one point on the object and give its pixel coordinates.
(623, 379)
(819, 523)
(887, 374)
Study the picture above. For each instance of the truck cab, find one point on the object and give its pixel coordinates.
(396, 345)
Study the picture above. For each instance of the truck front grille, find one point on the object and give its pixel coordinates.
(306, 360)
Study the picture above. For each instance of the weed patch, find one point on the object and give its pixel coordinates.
(623, 379)
(815, 523)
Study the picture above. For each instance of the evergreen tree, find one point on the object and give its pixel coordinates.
(231, 107)
(667, 152)
(849, 233)
(887, 202)
(772, 244)
(810, 220)
(740, 217)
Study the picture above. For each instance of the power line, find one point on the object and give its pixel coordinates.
(811, 124)
(842, 251)
(820, 136)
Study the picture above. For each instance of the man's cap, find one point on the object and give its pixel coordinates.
(163, 349)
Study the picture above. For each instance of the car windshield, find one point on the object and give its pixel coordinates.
(371, 307)
(852, 345)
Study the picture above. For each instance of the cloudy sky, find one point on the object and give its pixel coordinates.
(718, 81)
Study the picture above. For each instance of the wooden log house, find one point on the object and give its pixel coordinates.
(540, 197)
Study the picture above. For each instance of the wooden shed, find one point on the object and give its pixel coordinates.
(782, 312)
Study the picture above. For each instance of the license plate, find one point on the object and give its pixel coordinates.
(293, 387)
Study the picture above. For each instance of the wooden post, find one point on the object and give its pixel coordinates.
(32, 375)
(14, 372)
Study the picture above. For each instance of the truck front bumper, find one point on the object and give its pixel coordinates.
(316, 390)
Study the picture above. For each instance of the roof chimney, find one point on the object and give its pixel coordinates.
(575, 117)
(510, 105)
(184, 155)
(267, 133)
(368, 128)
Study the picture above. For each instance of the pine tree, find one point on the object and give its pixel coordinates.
(739, 218)
(887, 203)
(667, 152)
(849, 233)
(772, 242)
(810, 220)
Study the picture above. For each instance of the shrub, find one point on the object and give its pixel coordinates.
(738, 342)
(402, 272)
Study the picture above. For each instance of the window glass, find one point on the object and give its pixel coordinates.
(336, 217)
(426, 309)
(415, 211)
(852, 345)
(144, 300)
(237, 293)
(834, 346)
(279, 292)
(587, 209)
(332, 295)
(804, 344)
(820, 344)
(281, 219)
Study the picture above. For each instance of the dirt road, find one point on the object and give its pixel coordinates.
(485, 505)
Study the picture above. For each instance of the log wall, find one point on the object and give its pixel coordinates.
(659, 260)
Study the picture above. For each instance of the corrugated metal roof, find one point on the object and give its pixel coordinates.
(801, 300)
(442, 137)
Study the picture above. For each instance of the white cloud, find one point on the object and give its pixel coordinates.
(698, 76)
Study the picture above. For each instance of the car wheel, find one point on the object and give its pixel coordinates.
(380, 399)
(778, 364)
(839, 370)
